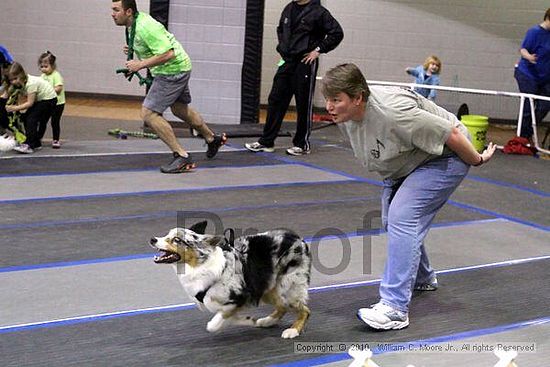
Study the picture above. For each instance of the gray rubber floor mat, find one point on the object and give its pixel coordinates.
(466, 301)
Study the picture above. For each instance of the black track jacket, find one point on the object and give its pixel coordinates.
(316, 28)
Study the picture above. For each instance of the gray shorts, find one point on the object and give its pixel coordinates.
(167, 90)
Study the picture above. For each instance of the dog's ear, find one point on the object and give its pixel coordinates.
(215, 241)
(200, 227)
(229, 235)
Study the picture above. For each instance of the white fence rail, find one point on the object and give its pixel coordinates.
(521, 96)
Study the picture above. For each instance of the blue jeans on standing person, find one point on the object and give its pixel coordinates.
(409, 206)
(526, 84)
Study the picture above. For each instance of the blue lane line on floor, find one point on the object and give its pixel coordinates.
(174, 191)
(63, 264)
(451, 202)
(499, 264)
(508, 185)
(379, 183)
(288, 160)
(469, 177)
(72, 173)
(498, 215)
(293, 161)
(415, 344)
(94, 318)
(188, 306)
(172, 213)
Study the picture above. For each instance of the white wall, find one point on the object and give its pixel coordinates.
(212, 33)
(88, 45)
(477, 41)
(82, 35)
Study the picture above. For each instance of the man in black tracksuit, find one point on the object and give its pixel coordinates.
(306, 29)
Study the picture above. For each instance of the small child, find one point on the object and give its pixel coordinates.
(40, 104)
(48, 67)
(428, 74)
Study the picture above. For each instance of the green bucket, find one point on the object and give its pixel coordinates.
(477, 126)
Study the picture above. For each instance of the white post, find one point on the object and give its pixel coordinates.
(533, 121)
(361, 358)
(506, 358)
(520, 116)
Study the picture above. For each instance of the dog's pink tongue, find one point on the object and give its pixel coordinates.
(160, 257)
(166, 257)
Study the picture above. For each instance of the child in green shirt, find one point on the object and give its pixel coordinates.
(39, 105)
(48, 67)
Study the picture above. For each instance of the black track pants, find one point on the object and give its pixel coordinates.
(297, 79)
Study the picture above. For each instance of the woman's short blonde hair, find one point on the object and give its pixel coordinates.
(435, 60)
(345, 78)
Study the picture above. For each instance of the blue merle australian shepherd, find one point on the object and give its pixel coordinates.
(226, 276)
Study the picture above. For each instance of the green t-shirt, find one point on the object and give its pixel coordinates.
(400, 131)
(151, 38)
(42, 88)
(56, 79)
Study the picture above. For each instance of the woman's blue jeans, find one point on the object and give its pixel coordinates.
(409, 206)
(531, 86)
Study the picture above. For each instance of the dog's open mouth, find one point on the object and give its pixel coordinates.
(166, 257)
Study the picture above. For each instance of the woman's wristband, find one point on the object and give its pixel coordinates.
(480, 162)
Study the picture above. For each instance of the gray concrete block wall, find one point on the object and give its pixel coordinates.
(212, 33)
(82, 35)
(88, 46)
(270, 57)
(478, 42)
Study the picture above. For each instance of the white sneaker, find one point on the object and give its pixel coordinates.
(297, 151)
(7, 143)
(257, 147)
(23, 148)
(383, 317)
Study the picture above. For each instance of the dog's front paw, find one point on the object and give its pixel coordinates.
(290, 333)
(267, 321)
(215, 324)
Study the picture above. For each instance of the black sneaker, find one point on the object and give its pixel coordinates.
(179, 164)
(428, 286)
(215, 145)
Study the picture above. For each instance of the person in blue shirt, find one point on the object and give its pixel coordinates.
(5, 60)
(427, 73)
(533, 72)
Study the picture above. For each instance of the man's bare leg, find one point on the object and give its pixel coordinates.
(194, 119)
(163, 129)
